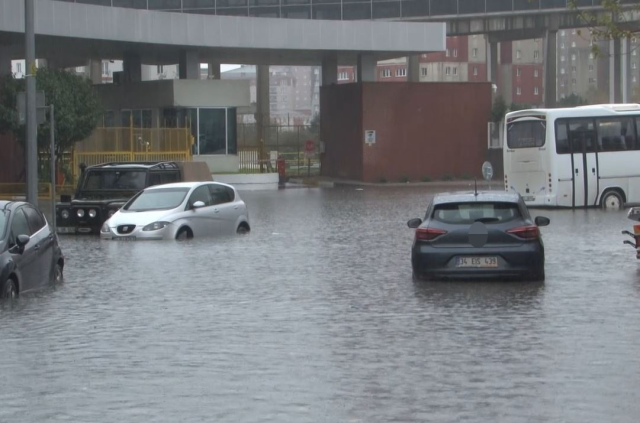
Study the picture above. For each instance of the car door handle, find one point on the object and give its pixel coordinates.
(576, 171)
(216, 210)
(593, 170)
(36, 248)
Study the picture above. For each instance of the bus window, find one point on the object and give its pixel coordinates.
(562, 139)
(582, 131)
(526, 134)
(616, 134)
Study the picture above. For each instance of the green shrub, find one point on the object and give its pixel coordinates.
(466, 176)
(404, 179)
(426, 178)
(383, 180)
(448, 177)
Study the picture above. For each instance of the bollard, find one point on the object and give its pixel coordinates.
(282, 171)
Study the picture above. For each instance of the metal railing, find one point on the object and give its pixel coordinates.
(285, 141)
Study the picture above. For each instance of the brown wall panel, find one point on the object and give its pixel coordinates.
(11, 160)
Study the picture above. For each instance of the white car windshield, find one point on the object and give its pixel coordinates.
(157, 199)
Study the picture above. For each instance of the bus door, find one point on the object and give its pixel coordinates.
(584, 163)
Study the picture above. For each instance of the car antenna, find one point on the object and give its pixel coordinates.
(475, 184)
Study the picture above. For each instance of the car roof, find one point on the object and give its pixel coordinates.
(187, 185)
(470, 197)
(136, 165)
(10, 205)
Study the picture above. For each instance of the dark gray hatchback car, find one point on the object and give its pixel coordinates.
(488, 235)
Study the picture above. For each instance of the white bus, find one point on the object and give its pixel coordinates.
(577, 157)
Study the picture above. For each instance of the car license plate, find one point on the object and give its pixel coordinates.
(529, 197)
(482, 261)
(66, 230)
(124, 238)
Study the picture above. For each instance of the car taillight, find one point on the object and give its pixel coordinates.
(526, 232)
(428, 234)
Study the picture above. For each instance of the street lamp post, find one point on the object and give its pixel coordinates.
(31, 142)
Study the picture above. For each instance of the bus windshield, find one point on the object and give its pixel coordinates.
(526, 134)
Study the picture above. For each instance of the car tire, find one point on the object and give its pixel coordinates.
(537, 276)
(243, 229)
(9, 290)
(612, 200)
(184, 234)
(58, 275)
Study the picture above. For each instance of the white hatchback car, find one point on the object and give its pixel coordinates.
(179, 211)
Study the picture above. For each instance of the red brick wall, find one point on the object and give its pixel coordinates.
(11, 160)
(341, 130)
(527, 83)
(421, 130)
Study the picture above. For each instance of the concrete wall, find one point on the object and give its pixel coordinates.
(421, 130)
(219, 163)
(210, 93)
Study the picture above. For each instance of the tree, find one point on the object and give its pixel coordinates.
(314, 126)
(499, 109)
(614, 21)
(571, 100)
(516, 106)
(77, 109)
(596, 96)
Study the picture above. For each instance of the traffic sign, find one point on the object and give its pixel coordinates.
(309, 148)
(22, 107)
(487, 171)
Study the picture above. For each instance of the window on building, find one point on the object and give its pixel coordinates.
(573, 44)
(561, 71)
(455, 70)
(105, 68)
(562, 45)
(635, 79)
(562, 58)
(573, 32)
(592, 80)
(633, 52)
(19, 67)
(536, 54)
(447, 70)
(455, 52)
(536, 73)
(385, 73)
(573, 57)
(536, 91)
(562, 83)
(160, 69)
(590, 56)
(475, 71)
(448, 53)
(518, 91)
(518, 72)
(633, 65)
(343, 76)
(424, 71)
(590, 68)
(573, 69)
(573, 81)
(400, 72)
(518, 54)
(424, 56)
(474, 52)
(562, 33)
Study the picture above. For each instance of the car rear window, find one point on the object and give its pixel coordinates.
(467, 213)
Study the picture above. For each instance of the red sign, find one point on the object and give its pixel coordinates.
(309, 146)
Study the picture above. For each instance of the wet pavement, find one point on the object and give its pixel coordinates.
(314, 317)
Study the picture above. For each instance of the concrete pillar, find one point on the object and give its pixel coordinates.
(132, 68)
(367, 65)
(615, 71)
(550, 58)
(189, 67)
(263, 115)
(214, 71)
(5, 63)
(329, 69)
(625, 69)
(94, 71)
(413, 68)
(492, 61)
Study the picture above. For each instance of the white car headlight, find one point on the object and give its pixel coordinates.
(92, 213)
(105, 228)
(64, 214)
(155, 226)
(80, 213)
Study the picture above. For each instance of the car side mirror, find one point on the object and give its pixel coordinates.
(414, 223)
(21, 242)
(542, 221)
(198, 204)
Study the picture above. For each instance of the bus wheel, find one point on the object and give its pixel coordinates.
(612, 200)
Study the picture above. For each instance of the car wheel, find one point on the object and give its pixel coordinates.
(537, 276)
(58, 276)
(612, 200)
(243, 229)
(10, 290)
(184, 234)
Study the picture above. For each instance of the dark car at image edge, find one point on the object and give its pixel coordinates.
(30, 257)
(483, 235)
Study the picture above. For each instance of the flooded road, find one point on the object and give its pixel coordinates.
(314, 317)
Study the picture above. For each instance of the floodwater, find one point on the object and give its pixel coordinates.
(314, 317)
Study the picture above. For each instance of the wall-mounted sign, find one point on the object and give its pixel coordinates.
(369, 137)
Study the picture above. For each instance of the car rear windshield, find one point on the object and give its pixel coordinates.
(4, 216)
(468, 213)
(157, 199)
(130, 180)
(527, 134)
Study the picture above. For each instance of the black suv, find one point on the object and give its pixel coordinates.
(102, 189)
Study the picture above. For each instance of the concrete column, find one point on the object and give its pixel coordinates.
(329, 69)
(94, 71)
(214, 71)
(615, 71)
(625, 70)
(5, 63)
(492, 61)
(132, 68)
(189, 67)
(550, 58)
(367, 65)
(413, 68)
(263, 115)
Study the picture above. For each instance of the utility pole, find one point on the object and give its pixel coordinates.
(31, 141)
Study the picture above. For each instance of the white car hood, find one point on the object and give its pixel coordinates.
(140, 218)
